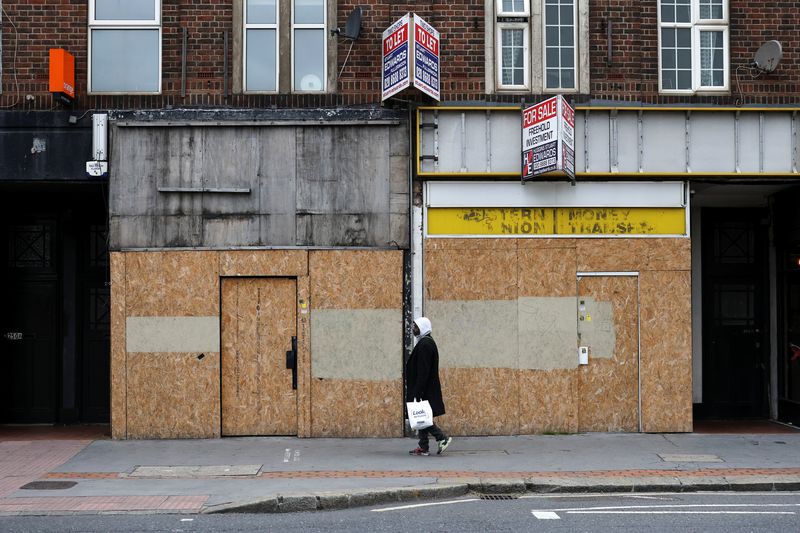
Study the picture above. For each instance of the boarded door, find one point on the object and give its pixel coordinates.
(258, 323)
(608, 323)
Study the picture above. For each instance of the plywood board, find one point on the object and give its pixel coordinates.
(548, 401)
(480, 274)
(356, 279)
(118, 353)
(608, 387)
(173, 395)
(357, 408)
(258, 323)
(289, 263)
(480, 401)
(666, 351)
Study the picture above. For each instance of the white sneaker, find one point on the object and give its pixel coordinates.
(443, 444)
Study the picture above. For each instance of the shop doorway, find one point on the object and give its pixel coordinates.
(608, 325)
(259, 356)
(735, 285)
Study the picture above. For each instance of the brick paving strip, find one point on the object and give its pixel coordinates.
(706, 472)
(22, 462)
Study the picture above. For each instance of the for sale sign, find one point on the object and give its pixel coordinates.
(548, 139)
(426, 58)
(396, 57)
(410, 57)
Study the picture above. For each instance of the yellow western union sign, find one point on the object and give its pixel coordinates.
(556, 221)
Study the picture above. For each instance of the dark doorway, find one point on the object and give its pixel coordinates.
(735, 313)
(54, 326)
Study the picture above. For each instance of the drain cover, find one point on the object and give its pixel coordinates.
(499, 496)
(49, 485)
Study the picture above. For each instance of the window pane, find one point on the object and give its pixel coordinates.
(718, 80)
(567, 36)
(125, 61)
(124, 10)
(551, 14)
(710, 9)
(552, 78)
(684, 59)
(309, 11)
(684, 79)
(552, 57)
(551, 36)
(683, 14)
(711, 58)
(684, 37)
(513, 6)
(718, 59)
(668, 38)
(668, 58)
(567, 78)
(568, 57)
(512, 57)
(309, 60)
(667, 13)
(669, 79)
(566, 15)
(262, 12)
(260, 63)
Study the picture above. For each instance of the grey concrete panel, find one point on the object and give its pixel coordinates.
(172, 334)
(357, 344)
(182, 231)
(398, 203)
(398, 230)
(398, 174)
(475, 334)
(276, 172)
(135, 232)
(597, 328)
(398, 140)
(371, 229)
(131, 185)
(278, 230)
(230, 161)
(232, 231)
(548, 333)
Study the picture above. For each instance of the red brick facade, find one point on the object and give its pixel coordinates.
(31, 27)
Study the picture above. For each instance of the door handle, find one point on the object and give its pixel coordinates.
(291, 362)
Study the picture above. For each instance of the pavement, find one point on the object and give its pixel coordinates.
(74, 472)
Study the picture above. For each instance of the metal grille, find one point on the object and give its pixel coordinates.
(29, 246)
(734, 244)
(98, 246)
(499, 496)
(99, 319)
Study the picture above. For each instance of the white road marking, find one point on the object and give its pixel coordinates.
(641, 496)
(287, 455)
(187, 519)
(676, 506)
(416, 505)
(296, 455)
(545, 515)
(681, 512)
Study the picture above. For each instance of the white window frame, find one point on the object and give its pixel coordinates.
(575, 38)
(317, 26)
(124, 24)
(276, 27)
(697, 25)
(526, 55)
(524, 13)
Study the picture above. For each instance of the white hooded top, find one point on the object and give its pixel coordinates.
(424, 326)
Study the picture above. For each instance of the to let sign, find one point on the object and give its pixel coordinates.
(548, 139)
(410, 57)
(396, 57)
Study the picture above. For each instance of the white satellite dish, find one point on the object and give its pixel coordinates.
(768, 56)
(310, 82)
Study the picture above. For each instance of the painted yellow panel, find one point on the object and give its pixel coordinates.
(556, 221)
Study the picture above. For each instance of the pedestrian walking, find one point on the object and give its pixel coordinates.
(422, 383)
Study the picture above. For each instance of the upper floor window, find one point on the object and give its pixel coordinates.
(125, 46)
(266, 24)
(537, 46)
(693, 38)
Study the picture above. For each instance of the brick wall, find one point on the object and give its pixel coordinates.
(631, 74)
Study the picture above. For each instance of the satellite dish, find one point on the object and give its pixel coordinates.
(310, 82)
(768, 56)
(352, 27)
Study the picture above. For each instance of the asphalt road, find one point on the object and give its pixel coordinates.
(667, 512)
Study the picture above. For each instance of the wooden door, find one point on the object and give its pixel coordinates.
(258, 324)
(608, 323)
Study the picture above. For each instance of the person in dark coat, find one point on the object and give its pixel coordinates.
(422, 383)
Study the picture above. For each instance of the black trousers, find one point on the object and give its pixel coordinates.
(434, 430)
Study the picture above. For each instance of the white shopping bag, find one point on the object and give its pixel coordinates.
(420, 414)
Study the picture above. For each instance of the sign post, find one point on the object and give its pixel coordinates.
(548, 140)
(410, 57)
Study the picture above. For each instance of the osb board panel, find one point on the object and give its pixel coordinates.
(547, 243)
(258, 323)
(480, 401)
(356, 408)
(470, 244)
(547, 272)
(303, 359)
(356, 279)
(609, 388)
(118, 353)
(263, 263)
(666, 364)
(471, 275)
(548, 401)
(172, 283)
(173, 395)
(633, 255)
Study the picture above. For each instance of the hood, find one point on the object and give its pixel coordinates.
(424, 326)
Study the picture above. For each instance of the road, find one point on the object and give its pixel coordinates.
(667, 512)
